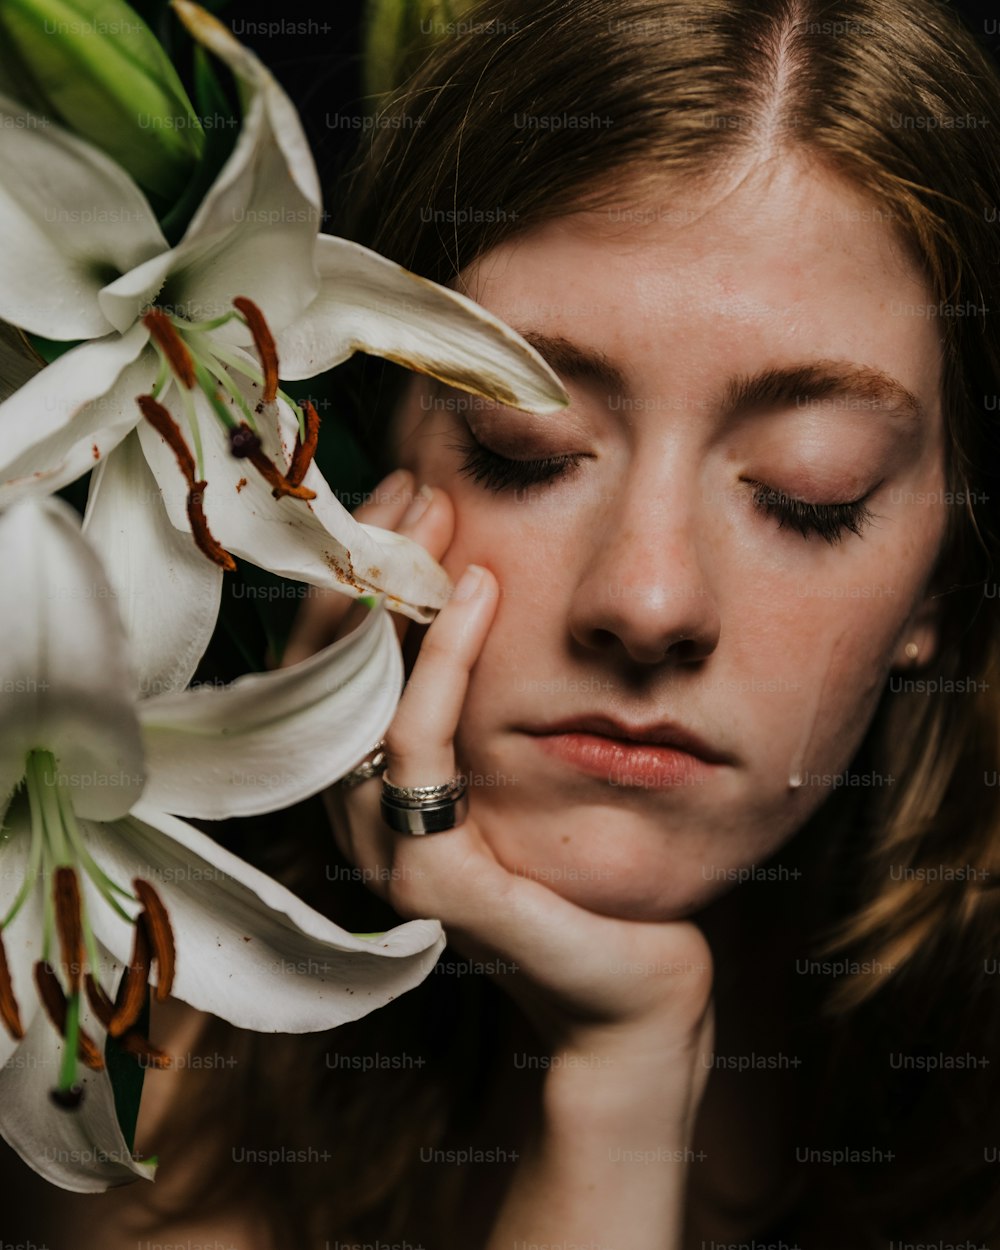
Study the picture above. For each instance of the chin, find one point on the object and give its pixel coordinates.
(621, 881)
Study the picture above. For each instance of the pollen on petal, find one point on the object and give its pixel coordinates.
(9, 1012)
(171, 344)
(161, 936)
(263, 340)
(302, 457)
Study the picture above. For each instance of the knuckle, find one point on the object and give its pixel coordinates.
(436, 648)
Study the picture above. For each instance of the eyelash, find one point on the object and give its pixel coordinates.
(829, 520)
(499, 473)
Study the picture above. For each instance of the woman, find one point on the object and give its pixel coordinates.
(740, 991)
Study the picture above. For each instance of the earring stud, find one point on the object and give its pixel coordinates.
(912, 650)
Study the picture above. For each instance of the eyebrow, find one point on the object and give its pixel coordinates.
(821, 379)
(799, 384)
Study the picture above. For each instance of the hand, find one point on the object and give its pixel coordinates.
(569, 960)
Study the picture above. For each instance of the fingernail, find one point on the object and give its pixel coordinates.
(468, 583)
(390, 488)
(418, 505)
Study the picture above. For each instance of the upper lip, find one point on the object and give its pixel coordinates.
(662, 733)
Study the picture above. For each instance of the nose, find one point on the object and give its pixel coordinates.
(643, 592)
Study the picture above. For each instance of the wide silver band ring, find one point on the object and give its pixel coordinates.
(424, 809)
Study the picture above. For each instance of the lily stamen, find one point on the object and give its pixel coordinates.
(9, 1012)
(167, 428)
(164, 334)
(132, 1041)
(203, 536)
(69, 924)
(149, 1055)
(56, 1003)
(160, 934)
(102, 1006)
(164, 424)
(132, 990)
(244, 444)
(305, 449)
(65, 1015)
(263, 341)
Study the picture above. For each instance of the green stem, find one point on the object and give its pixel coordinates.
(48, 793)
(300, 416)
(162, 374)
(205, 382)
(216, 371)
(192, 419)
(94, 871)
(67, 1069)
(201, 326)
(205, 346)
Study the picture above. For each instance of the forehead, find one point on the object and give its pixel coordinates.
(767, 264)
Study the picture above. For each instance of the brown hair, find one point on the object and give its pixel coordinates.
(898, 98)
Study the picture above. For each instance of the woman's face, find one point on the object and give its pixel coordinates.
(726, 353)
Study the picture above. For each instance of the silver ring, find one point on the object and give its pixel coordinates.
(424, 809)
(373, 765)
(410, 796)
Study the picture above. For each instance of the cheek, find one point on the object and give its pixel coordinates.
(811, 659)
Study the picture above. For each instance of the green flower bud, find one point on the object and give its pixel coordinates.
(97, 68)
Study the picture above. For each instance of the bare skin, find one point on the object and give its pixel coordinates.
(649, 578)
(647, 582)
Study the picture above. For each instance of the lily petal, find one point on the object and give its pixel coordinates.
(368, 303)
(22, 939)
(83, 1150)
(254, 232)
(318, 541)
(168, 593)
(64, 419)
(69, 218)
(271, 739)
(255, 78)
(67, 685)
(248, 949)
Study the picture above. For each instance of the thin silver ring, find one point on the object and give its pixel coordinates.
(411, 796)
(373, 765)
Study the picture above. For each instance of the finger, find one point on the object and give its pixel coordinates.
(449, 650)
(325, 613)
(430, 521)
(420, 741)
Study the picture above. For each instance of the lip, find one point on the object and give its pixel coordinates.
(662, 734)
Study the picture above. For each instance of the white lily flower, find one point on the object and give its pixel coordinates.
(103, 890)
(83, 258)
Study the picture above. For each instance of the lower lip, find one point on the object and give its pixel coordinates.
(640, 765)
